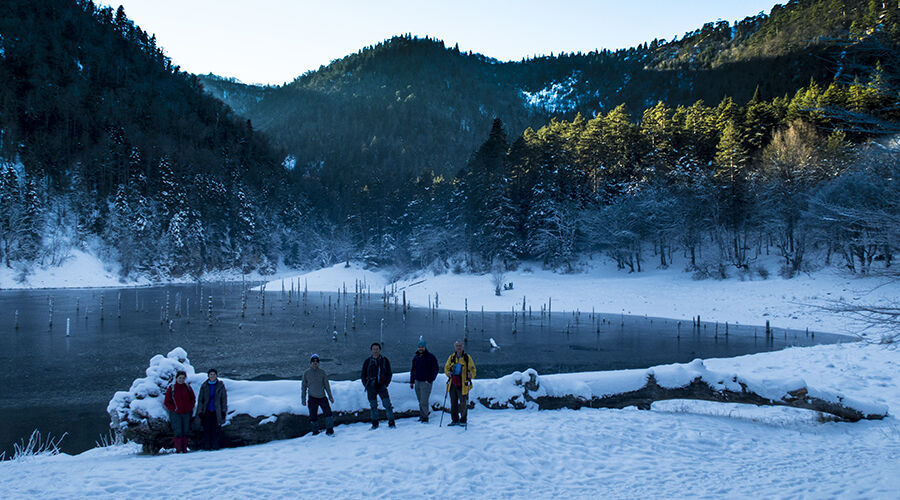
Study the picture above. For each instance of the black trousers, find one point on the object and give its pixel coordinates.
(211, 430)
(315, 404)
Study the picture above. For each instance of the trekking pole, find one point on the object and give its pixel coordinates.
(446, 391)
(466, 425)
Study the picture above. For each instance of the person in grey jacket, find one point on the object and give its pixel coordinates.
(315, 382)
(212, 406)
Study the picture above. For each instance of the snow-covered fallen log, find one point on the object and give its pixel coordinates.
(640, 388)
(265, 411)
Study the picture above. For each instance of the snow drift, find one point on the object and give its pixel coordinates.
(265, 411)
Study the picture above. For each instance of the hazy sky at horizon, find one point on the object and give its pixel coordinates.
(274, 41)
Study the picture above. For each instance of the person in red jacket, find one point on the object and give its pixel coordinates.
(179, 401)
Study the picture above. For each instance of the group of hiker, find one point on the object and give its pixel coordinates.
(315, 392)
(212, 406)
(376, 376)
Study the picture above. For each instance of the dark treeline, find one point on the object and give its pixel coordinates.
(107, 145)
(106, 139)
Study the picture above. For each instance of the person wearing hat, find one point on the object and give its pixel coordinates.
(315, 381)
(421, 376)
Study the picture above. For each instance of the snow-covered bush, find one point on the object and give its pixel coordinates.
(144, 400)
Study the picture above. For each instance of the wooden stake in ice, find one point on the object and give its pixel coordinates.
(262, 297)
(467, 319)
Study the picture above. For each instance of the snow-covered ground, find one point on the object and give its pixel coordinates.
(679, 449)
(83, 269)
(671, 293)
(80, 269)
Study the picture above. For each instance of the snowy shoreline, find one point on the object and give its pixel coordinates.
(795, 303)
(84, 270)
(671, 293)
(678, 448)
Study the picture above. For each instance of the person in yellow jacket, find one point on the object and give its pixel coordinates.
(460, 370)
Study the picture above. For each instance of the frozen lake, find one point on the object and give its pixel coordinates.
(58, 383)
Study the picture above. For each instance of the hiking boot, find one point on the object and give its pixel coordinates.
(330, 431)
(391, 424)
(451, 424)
(315, 432)
(424, 420)
(375, 424)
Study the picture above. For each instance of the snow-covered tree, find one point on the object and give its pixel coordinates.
(10, 211)
(797, 158)
(551, 222)
(32, 222)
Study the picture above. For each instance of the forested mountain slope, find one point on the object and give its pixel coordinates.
(375, 118)
(103, 136)
(729, 143)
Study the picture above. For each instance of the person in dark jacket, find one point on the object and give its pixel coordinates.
(179, 400)
(422, 374)
(315, 382)
(376, 376)
(212, 406)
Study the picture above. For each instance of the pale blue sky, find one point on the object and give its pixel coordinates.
(274, 41)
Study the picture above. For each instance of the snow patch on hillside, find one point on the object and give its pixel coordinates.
(559, 97)
(85, 269)
(80, 269)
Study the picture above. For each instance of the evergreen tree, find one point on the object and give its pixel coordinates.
(32, 227)
(10, 214)
(623, 148)
(731, 175)
(658, 129)
(489, 214)
(759, 121)
(591, 153)
(551, 221)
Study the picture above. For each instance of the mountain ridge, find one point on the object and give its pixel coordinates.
(419, 82)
